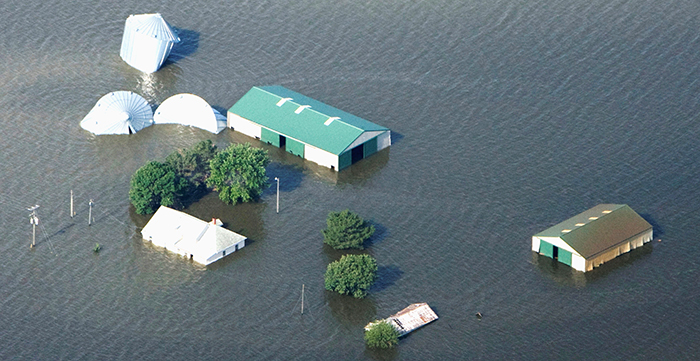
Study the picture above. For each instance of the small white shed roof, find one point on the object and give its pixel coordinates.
(120, 112)
(190, 110)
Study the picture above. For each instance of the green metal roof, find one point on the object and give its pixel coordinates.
(319, 125)
(599, 228)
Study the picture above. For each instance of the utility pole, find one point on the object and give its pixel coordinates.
(72, 213)
(90, 212)
(34, 221)
(302, 299)
(278, 194)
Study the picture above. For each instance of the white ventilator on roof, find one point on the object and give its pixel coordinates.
(191, 110)
(147, 41)
(301, 107)
(120, 112)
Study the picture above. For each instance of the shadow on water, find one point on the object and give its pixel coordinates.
(289, 175)
(351, 311)
(188, 45)
(386, 277)
(396, 137)
(380, 233)
(567, 276)
(658, 230)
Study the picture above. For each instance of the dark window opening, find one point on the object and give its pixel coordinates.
(224, 252)
(332, 167)
(283, 142)
(555, 252)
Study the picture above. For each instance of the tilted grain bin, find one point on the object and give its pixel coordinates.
(120, 112)
(190, 110)
(147, 42)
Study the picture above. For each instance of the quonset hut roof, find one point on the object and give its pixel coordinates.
(147, 41)
(190, 110)
(300, 117)
(120, 112)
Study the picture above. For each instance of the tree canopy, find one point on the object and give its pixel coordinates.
(193, 163)
(382, 335)
(346, 230)
(351, 275)
(153, 185)
(238, 173)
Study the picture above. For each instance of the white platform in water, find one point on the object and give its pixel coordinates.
(190, 110)
(120, 112)
(410, 318)
(191, 237)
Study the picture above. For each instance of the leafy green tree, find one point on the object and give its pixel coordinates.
(238, 173)
(382, 335)
(346, 230)
(153, 185)
(193, 163)
(352, 275)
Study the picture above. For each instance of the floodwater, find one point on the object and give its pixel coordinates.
(508, 116)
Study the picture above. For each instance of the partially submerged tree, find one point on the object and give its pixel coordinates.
(381, 334)
(352, 275)
(346, 230)
(153, 185)
(238, 173)
(193, 163)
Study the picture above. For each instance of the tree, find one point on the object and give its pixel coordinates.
(153, 185)
(351, 275)
(381, 335)
(238, 173)
(193, 163)
(346, 230)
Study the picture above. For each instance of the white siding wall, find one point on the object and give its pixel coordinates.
(320, 157)
(578, 263)
(243, 125)
(535, 244)
(222, 254)
(384, 140)
(553, 241)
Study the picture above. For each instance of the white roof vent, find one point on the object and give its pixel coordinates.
(330, 120)
(282, 101)
(301, 107)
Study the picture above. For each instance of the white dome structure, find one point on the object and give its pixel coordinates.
(190, 110)
(121, 112)
(147, 42)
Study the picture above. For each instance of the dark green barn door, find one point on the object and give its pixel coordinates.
(565, 257)
(270, 137)
(295, 147)
(546, 249)
(370, 147)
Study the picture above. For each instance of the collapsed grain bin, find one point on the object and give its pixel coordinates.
(120, 112)
(147, 42)
(189, 110)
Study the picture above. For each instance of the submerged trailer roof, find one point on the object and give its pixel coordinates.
(598, 228)
(300, 117)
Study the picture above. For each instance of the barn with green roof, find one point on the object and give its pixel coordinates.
(306, 127)
(594, 237)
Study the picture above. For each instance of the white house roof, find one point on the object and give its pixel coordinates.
(152, 25)
(190, 110)
(183, 233)
(120, 112)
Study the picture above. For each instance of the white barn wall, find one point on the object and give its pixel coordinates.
(578, 263)
(243, 125)
(619, 249)
(223, 253)
(384, 140)
(557, 242)
(320, 156)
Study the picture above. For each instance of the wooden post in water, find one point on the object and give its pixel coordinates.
(72, 213)
(34, 220)
(302, 299)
